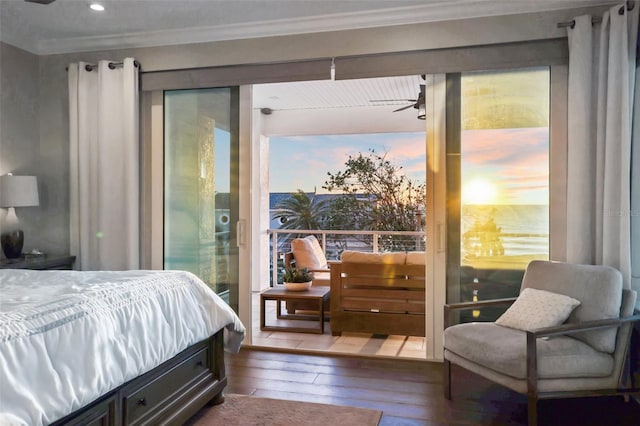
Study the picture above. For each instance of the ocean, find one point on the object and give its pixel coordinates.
(505, 230)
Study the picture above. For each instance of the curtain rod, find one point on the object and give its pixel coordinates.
(112, 65)
(596, 19)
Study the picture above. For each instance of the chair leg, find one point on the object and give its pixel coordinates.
(532, 410)
(634, 357)
(447, 379)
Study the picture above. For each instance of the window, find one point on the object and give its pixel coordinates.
(200, 193)
(503, 181)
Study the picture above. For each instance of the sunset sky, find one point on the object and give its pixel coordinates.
(500, 166)
(512, 162)
(303, 162)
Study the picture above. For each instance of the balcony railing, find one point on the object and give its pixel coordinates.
(334, 242)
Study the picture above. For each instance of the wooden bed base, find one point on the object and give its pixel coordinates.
(169, 394)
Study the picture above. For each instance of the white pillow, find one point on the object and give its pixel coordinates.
(308, 253)
(535, 309)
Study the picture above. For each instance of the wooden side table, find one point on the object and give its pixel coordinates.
(39, 263)
(318, 294)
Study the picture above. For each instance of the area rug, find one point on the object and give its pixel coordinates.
(242, 410)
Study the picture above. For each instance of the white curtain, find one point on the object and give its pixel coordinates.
(635, 188)
(601, 85)
(104, 166)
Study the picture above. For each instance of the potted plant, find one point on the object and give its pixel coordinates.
(297, 279)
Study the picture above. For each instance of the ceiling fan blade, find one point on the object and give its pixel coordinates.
(403, 108)
(393, 100)
(40, 1)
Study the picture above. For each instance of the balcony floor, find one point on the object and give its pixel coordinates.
(408, 347)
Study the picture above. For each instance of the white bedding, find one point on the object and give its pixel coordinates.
(68, 337)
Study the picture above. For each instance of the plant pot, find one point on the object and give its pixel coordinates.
(297, 286)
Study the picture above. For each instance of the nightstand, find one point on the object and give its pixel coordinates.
(44, 262)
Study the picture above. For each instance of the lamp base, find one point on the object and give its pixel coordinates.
(12, 244)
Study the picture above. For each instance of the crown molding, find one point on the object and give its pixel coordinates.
(29, 45)
(444, 10)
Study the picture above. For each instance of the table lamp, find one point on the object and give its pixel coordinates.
(16, 191)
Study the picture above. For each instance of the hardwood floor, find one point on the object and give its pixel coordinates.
(409, 392)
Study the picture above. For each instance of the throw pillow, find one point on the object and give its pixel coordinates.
(535, 309)
(308, 253)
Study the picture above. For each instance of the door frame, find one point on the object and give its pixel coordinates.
(551, 53)
(436, 250)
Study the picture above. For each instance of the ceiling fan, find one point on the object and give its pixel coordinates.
(418, 103)
(40, 1)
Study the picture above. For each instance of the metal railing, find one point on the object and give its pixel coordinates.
(334, 242)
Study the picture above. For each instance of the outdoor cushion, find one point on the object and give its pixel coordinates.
(535, 309)
(396, 258)
(503, 349)
(308, 253)
(598, 289)
(415, 258)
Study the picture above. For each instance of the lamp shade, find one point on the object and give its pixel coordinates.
(18, 191)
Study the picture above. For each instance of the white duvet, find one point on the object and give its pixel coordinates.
(68, 337)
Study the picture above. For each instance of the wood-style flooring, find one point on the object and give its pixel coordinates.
(409, 392)
(412, 347)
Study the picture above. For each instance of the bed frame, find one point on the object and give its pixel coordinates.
(169, 394)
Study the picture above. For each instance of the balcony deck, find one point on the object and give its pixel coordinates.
(407, 347)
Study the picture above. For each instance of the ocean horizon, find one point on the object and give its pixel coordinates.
(522, 229)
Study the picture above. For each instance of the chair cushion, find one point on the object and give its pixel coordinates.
(598, 288)
(308, 253)
(416, 258)
(503, 350)
(535, 309)
(396, 258)
(321, 278)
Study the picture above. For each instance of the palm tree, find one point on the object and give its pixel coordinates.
(301, 211)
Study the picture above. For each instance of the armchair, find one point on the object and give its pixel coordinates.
(584, 356)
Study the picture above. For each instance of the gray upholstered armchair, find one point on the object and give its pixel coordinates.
(582, 356)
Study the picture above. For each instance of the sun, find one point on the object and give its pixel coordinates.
(479, 191)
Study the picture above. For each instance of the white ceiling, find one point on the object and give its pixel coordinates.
(396, 91)
(339, 107)
(70, 26)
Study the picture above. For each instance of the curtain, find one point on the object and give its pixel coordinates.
(635, 186)
(104, 166)
(602, 61)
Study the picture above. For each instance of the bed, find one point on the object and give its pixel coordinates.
(107, 347)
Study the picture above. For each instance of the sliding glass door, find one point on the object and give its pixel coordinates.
(201, 186)
(498, 182)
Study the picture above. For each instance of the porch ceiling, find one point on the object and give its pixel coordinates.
(338, 94)
(339, 107)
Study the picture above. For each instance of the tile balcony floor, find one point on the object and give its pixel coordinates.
(364, 344)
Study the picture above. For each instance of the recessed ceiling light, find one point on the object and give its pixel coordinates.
(97, 7)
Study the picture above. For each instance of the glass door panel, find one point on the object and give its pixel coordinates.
(201, 186)
(501, 192)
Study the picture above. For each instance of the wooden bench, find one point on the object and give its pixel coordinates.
(378, 298)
